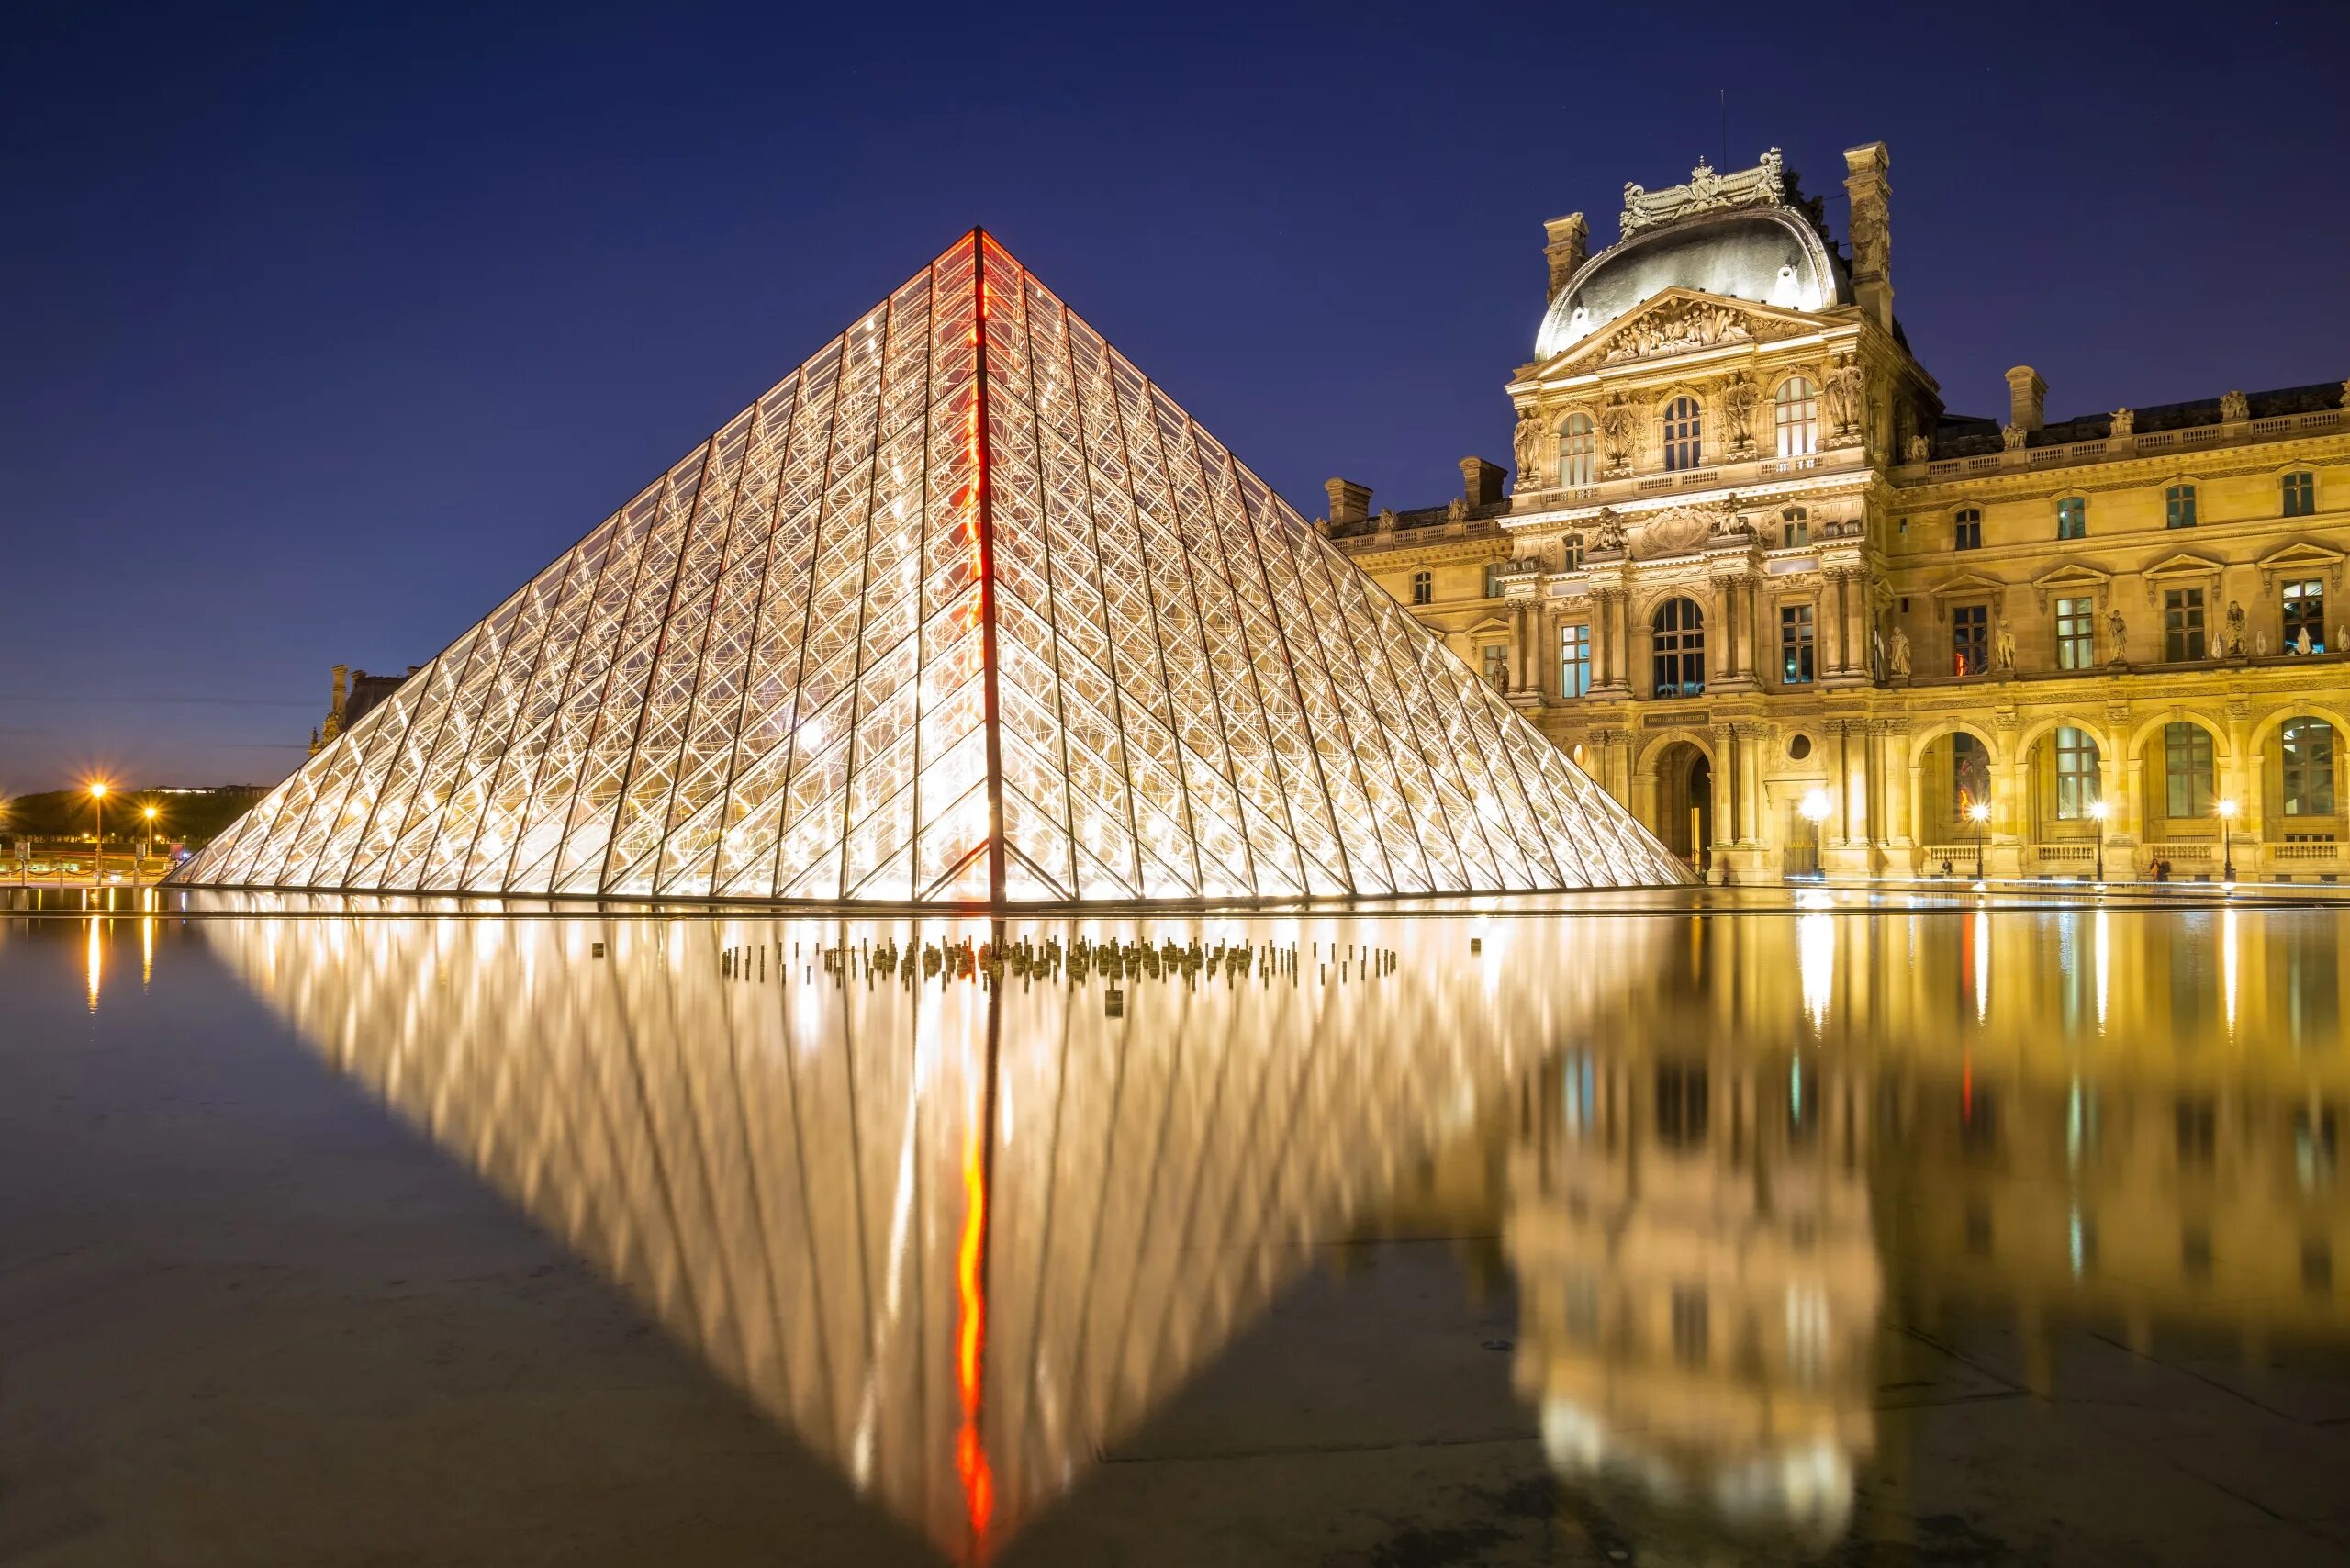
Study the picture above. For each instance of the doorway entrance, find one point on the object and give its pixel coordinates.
(1684, 801)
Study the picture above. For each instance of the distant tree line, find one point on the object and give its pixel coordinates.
(192, 817)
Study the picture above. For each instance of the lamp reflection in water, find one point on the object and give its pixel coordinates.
(963, 1240)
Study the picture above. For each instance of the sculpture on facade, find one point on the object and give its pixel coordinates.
(1841, 399)
(1456, 511)
(2003, 646)
(1619, 426)
(2301, 642)
(1610, 532)
(1386, 521)
(2235, 627)
(1739, 398)
(1690, 325)
(2260, 642)
(1526, 444)
(2119, 630)
(1899, 659)
(2235, 407)
(2012, 437)
(1921, 449)
(2125, 422)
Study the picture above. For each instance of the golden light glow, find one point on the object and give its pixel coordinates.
(1815, 806)
(1978, 811)
(99, 790)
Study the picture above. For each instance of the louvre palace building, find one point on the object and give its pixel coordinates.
(1797, 615)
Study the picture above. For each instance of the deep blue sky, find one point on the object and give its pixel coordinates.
(327, 325)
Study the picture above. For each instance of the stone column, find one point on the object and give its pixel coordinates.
(1517, 645)
(2133, 808)
(2003, 848)
(1896, 830)
(1917, 794)
(1753, 739)
(1726, 799)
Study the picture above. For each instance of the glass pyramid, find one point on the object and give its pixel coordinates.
(965, 610)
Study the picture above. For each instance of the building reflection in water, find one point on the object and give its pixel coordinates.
(962, 1239)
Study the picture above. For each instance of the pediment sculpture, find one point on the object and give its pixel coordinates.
(1678, 328)
(1678, 531)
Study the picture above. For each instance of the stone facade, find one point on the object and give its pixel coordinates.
(1760, 583)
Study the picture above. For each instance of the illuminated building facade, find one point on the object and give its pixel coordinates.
(965, 610)
(1751, 563)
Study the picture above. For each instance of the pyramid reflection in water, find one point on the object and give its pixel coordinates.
(958, 1307)
(965, 610)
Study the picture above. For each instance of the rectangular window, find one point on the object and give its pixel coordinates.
(1497, 659)
(2182, 625)
(1967, 530)
(2073, 518)
(2076, 776)
(1794, 644)
(2187, 770)
(1970, 639)
(1493, 579)
(1571, 552)
(1574, 660)
(2178, 507)
(2300, 494)
(1422, 588)
(2076, 633)
(2305, 616)
(2306, 749)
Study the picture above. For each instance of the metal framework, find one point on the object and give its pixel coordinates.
(964, 611)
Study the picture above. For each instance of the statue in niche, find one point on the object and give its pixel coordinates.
(2003, 646)
(1899, 661)
(2235, 627)
(2125, 422)
(1527, 445)
(2118, 630)
(1739, 398)
(1619, 423)
(1840, 400)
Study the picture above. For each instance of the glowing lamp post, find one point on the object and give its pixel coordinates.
(1814, 809)
(2227, 810)
(1979, 813)
(149, 813)
(2100, 811)
(98, 836)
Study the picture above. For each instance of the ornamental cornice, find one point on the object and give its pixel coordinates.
(1848, 481)
(2100, 475)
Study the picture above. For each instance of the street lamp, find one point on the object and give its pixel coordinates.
(1979, 813)
(2227, 810)
(1814, 809)
(98, 837)
(2100, 811)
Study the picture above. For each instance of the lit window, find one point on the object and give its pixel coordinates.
(1493, 579)
(2299, 494)
(1677, 644)
(2306, 748)
(1422, 588)
(1794, 526)
(2305, 615)
(1497, 666)
(1578, 450)
(2186, 769)
(1574, 660)
(2076, 633)
(1684, 433)
(2073, 518)
(1966, 529)
(2182, 625)
(1794, 644)
(2178, 507)
(1796, 412)
(1970, 639)
(2077, 773)
(1572, 548)
(1970, 773)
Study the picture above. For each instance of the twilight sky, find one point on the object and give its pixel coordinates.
(327, 326)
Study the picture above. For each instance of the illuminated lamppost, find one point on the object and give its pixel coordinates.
(2227, 810)
(2100, 811)
(98, 838)
(1979, 813)
(148, 811)
(1814, 808)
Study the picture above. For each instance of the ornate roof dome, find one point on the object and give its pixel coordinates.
(1733, 235)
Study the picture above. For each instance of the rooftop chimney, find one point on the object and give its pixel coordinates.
(1871, 191)
(2027, 399)
(1480, 481)
(341, 687)
(1350, 502)
(1569, 241)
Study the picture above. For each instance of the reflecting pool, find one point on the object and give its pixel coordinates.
(1850, 1232)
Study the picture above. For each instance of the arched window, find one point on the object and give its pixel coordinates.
(1684, 436)
(2077, 773)
(1970, 773)
(2187, 770)
(1578, 450)
(1677, 644)
(2305, 754)
(1795, 411)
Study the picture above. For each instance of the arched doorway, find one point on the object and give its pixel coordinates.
(1684, 803)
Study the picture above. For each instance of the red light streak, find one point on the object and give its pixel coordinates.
(971, 1326)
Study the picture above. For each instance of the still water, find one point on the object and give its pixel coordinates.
(1858, 1233)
